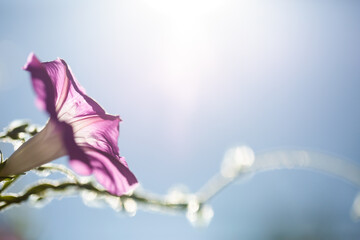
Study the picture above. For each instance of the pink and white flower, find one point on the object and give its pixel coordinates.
(78, 127)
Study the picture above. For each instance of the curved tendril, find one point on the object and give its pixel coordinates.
(51, 167)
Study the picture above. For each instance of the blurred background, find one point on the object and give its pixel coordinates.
(191, 79)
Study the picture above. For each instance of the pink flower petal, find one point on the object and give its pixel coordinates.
(90, 135)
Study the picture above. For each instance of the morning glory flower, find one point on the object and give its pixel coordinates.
(78, 127)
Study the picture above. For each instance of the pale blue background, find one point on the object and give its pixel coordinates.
(191, 79)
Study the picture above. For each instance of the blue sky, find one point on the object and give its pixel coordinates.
(191, 79)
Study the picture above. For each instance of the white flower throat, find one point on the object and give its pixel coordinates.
(44, 147)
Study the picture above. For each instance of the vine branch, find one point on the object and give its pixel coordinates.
(238, 162)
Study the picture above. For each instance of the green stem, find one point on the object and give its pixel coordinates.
(8, 183)
(41, 190)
